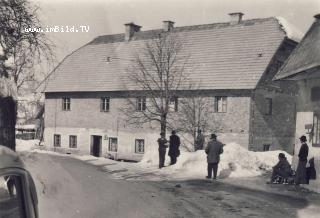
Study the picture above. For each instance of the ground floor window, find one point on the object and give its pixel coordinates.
(316, 129)
(220, 104)
(139, 146)
(73, 141)
(57, 140)
(113, 144)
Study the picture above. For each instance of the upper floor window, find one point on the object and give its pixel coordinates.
(66, 104)
(315, 94)
(268, 106)
(73, 141)
(173, 104)
(57, 140)
(141, 103)
(113, 144)
(105, 104)
(316, 130)
(139, 146)
(220, 104)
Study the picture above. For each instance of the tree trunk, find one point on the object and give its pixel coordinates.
(7, 122)
(163, 123)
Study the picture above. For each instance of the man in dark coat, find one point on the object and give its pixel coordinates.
(213, 151)
(281, 169)
(301, 173)
(199, 141)
(174, 151)
(162, 141)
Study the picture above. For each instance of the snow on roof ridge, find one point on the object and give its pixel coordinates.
(8, 88)
(291, 31)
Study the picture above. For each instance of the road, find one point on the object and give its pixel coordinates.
(72, 188)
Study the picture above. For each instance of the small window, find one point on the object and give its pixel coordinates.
(56, 140)
(266, 147)
(268, 108)
(73, 141)
(315, 94)
(105, 104)
(139, 146)
(113, 144)
(316, 130)
(220, 104)
(173, 104)
(141, 103)
(66, 103)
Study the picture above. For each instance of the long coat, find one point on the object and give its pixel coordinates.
(174, 146)
(213, 151)
(301, 173)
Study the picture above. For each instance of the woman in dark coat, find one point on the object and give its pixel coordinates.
(174, 151)
(301, 173)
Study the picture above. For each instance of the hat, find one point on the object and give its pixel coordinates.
(303, 138)
(213, 136)
(162, 133)
(173, 132)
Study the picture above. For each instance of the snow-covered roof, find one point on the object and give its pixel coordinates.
(291, 31)
(8, 88)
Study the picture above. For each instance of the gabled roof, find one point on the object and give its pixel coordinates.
(221, 56)
(305, 59)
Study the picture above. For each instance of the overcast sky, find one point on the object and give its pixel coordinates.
(108, 16)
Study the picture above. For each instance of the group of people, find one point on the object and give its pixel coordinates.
(213, 150)
(281, 173)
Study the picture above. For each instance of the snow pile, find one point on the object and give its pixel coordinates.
(8, 88)
(236, 161)
(291, 31)
(26, 145)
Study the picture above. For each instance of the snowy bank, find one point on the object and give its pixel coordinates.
(236, 161)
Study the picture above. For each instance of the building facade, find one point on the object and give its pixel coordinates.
(232, 62)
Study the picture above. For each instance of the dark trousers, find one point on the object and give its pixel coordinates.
(212, 167)
(162, 155)
(173, 160)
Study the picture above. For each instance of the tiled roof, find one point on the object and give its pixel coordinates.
(306, 56)
(221, 56)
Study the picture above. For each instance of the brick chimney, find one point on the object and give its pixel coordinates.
(131, 28)
(167, 25)
(235, 18)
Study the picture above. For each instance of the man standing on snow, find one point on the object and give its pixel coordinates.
(162, 141)
(301, 173)
(199, 141)
(213, 151)
(174, 151)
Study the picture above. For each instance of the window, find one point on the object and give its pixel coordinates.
(113, 144)
(56, 140)
(139, 146)
(266, 147)
(105, 104)
(66, 103)
(220, 104)
(315, 94)
(268, 109)
(316, 130)
(173, 104)
(73, 141)
(141, 103)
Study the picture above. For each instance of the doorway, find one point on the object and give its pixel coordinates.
(96, 145)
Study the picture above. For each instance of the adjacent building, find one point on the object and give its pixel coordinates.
(233, 64)
(303, 66)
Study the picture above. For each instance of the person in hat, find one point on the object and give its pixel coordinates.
(174, 151)
(301, 172)
(162, 141)
(213, 150)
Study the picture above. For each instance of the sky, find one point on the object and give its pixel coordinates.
(108, 16)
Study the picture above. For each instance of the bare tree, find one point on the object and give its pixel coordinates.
(158, 71)
(23, 47)
(20, 51)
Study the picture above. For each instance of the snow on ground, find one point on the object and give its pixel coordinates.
(291, 31)
(236, 161)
